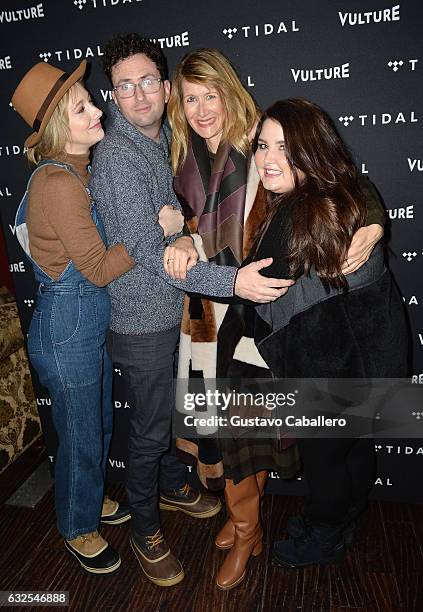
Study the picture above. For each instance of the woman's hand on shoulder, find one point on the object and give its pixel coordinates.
(362, 244)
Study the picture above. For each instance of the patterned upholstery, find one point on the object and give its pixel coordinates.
(19, 421)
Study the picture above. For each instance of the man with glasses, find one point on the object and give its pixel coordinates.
(131, 181)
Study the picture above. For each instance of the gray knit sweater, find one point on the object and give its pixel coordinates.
(131, 180)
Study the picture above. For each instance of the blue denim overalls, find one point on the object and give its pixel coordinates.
(66, 346)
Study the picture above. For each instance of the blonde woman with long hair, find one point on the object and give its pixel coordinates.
(213, 119)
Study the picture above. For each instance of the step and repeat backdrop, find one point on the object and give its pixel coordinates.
(361, 61)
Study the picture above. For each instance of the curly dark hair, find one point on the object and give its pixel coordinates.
(125, 45)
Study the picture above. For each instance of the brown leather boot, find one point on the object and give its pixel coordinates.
(225, 538)
(243, 506)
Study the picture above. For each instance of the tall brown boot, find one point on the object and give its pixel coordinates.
(243, 506)
(225, 538)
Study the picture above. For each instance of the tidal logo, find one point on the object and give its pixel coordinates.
(409, 256)
(415, 164)
(412, 301)
(382, 15)
(406, 212)
(399, 450)
(17, 267)
(11, 150)
(120, 405)
(71, 54)
(32, 12)
(80, 4)
(417, 415)
(118, 371)
(395, 65)
(346, 120)
(5, 192)
(43, 401)
(114, 463)
(176, 40)
(380, 119)
(5, 63)
(319, 74)
(264, 29)
(29, 303)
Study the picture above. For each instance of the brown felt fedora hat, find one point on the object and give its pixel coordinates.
(39, 92)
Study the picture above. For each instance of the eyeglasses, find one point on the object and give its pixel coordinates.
(149, 85)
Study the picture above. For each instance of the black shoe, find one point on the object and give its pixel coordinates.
(114, 513)
(94, 553)
(320, 545)
(298, 525)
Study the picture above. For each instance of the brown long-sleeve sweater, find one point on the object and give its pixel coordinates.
(61, 229)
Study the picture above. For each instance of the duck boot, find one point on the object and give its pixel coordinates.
(243, 506)
(191, 502)
(114, 513)
(225, 538)
(156, 560)
(94, 554)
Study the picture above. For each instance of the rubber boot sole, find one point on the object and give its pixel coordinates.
(201, 515)
(109, 520)
(161, 582)
(94, 570)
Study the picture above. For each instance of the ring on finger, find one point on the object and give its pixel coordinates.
(170, 259)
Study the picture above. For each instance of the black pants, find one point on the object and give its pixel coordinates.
(340, 473)
(148, 362)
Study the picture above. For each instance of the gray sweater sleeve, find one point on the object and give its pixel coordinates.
(142, 235)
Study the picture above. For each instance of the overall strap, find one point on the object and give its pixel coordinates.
(67, 167)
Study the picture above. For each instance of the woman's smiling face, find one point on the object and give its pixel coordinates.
(271, 160)
(204, 111)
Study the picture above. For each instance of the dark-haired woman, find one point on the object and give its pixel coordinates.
(328, 325)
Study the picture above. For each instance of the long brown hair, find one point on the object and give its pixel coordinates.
(327, 205)
(210, 67)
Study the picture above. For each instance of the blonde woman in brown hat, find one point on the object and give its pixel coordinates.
(62, 234)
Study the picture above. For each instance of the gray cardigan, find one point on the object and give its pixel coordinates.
(131, 180)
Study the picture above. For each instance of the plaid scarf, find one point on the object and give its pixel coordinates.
(213, 197)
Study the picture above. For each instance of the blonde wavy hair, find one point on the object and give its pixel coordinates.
(209, 67)
(56, 134)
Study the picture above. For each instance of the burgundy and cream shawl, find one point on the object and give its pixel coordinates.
(223, 206)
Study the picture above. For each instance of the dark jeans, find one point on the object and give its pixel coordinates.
(147, 362)
(340, 473)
